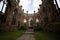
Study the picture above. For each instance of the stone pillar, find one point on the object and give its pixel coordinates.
(20, 16)
(34, 18)
(9, 17)
(47, 13)
(27, 22)
(39, 16)
(11, 5)
(47, 8)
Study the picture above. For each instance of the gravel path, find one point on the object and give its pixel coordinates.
(27, 36)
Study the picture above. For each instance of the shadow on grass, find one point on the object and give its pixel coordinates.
(43, 35)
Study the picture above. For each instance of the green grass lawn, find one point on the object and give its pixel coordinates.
(42, 35)
(11, 35)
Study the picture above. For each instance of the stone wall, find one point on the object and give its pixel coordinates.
(47, 15)
(12, 16)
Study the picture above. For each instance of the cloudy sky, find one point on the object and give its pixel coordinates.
(1, 4)
(31, 5)
(28, 5)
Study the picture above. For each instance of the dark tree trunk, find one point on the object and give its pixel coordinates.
(1, 0)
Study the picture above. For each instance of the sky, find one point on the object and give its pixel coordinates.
(58, 3)
(1, 4)
(28, 5)
(31, 5)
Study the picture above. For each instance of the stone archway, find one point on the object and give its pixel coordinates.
(30, 20)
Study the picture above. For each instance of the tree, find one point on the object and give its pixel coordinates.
(1, 0)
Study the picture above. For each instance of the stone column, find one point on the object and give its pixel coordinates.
(27, 21)
(48, 11)
(39, 16)
(11, 5)
(34, 18)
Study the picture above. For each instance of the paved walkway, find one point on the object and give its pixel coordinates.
(27, 36)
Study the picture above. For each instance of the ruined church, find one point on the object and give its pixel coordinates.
(13, 19)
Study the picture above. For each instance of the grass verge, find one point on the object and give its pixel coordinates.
(11, 35)
(43, 35)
